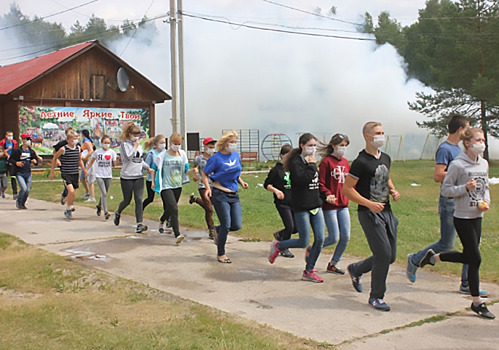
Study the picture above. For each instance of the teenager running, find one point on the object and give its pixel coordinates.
(332, 173)
(56, 147)
(279, 183)
(203, 201)
(21, 159)
(131, 177)
(467, 181)
(168, 170)
(224, 169)
(306, 204)
(156, 144)
(369, 185)
(87, 148)
(70, 158)
(104, 159)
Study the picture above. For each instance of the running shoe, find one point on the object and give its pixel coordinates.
(465, 289)
(140, 228)
(86, 195)
(334, 269)
(211, 234)
(355, 279)
(63, 199)
(161, 229)
(411, 269)
(482, 311)
(117, 219)
(192, 198)
(91, 200)
(180, 238)
(427, 258)
(68, 214)
(274, 252)
(379, 304)
(311, 277)
(107, 215)
(98, 210)
(277, 236)
(286, 253)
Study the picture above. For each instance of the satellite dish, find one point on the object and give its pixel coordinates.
(123, 79)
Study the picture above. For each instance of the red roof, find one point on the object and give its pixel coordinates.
(17, 75)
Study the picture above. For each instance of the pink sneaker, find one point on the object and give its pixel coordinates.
(311, 276)
(274, 252)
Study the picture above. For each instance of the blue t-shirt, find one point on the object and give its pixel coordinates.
(171, 172)
(224, 168)
(446, 153)
(7, 145)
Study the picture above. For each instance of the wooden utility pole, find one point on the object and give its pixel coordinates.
(183, 131)
(173, 54)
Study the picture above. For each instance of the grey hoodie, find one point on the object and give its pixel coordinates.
(460, 171)
(132, 162)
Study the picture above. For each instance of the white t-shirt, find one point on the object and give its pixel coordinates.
(104, 163)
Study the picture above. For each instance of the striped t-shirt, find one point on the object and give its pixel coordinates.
(70, 160)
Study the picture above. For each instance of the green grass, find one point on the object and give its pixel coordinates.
(416, 211)
(49, 302)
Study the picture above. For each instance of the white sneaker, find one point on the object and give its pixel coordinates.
(180, 238)
(91, 200)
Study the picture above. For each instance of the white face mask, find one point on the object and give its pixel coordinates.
(75, 142)
(175, 148)
(134, 138)
(210, 150)
(106, 146)
(231, 147)
(28, 142)
(379, 141)
(477, 148)
(340, 150)
(161, 146)
(10, 138)
(310, 150)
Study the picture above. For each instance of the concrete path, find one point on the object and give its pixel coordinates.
(251, 288)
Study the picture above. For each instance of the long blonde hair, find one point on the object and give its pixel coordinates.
(128, 129)
(222, 141)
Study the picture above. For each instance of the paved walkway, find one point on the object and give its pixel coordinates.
(251, 288)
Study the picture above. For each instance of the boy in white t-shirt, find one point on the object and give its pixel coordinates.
(102, 162)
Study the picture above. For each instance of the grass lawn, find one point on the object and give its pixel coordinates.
(416, 211)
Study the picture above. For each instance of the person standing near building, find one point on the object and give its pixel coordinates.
(203, 201)
(224, 170)
(3, 171)
(10, 144)
(132, 177)
(168, 170)
(70, 158)
(332, 173)
(368, 184)
(278, 182)
(21, 159)
(306, 204)
(103, 161)
(467, 181)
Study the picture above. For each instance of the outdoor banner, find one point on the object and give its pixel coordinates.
(46, 125)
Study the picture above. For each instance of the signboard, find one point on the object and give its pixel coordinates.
(47, 125)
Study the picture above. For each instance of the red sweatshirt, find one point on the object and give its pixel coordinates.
(332, 174)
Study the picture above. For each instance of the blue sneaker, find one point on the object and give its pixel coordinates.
(465, 289)
(355, 279)
(411, 269)
(379, 304)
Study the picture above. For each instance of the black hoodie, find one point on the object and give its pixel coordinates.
(304, 184)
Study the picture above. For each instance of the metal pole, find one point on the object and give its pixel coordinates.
(181, 96)
(173, 53)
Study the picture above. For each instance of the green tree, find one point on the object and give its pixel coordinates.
(451, 48)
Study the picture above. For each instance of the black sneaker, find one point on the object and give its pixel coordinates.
(98, 210)
(355, 279)
(277, 236)
(426, 258)
(379, 304)
(334, 269)
(482, 311)
(286, 253)
(140, 228)
(192, 198)
(161, 229)
(168, 224)
(117, 219)
(107, 216)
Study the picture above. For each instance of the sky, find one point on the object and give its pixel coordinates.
(240, 78)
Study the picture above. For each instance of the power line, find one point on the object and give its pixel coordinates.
(135, 31)
(48, 16)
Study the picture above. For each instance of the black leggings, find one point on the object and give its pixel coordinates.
(469, 232)
(135, 187)
(288, 219)
(170, 199)
(150, 195)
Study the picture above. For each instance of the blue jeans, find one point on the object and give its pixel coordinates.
(25, 184)
(230, 214)
(305, 219)
(338, 227)
(447, 239)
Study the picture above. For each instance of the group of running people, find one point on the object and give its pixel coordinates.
(305, 195)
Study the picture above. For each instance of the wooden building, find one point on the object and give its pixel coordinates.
(85, 75)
